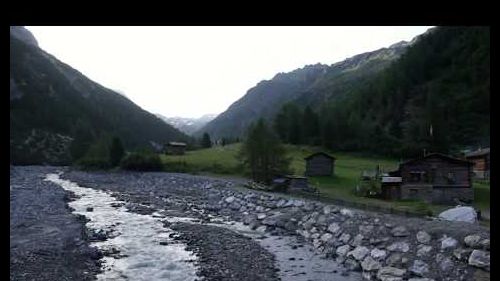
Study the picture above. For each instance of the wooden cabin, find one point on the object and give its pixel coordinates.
(319, 164)
(481, 160)
(175, 148)
(437, 178)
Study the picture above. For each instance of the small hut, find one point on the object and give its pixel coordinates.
(175, 148)
(319, 164)
(481, 160)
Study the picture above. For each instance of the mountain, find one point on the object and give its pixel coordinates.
(312, 84)
(53, 106)
(188, 125)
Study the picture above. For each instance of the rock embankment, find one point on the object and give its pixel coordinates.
(381, 246)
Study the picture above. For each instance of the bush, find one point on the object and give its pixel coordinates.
(138, 161)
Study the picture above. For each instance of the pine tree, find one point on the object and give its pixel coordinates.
(205, 141)
(263, 154)
(116, 152)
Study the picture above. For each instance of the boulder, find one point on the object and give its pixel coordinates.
(357, 240)
(419, 268)
(423, 250)
(359, 253)
(480, 259)
(465, 214)
(448, 243)
(230, 199)
(389, 273)
(378, 254)
(343, 250)
(352, 265)
(423, 237)
(462, 254)
(347, 213)
(472, 241)
(345, 237)
(402, 247)
(326, 237)
(334, 228)
(370, 264)
(400, 231)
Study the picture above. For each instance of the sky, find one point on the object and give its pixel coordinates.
(192, 71)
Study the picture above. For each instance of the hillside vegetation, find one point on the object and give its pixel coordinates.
(54, 107)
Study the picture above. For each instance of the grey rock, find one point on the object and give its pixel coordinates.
(446, 264)
(462, 254)
(419, 268)
(359, 253)
(366, 229)
(334, 228)
(229, 199)
(345, 237)
(389, 273)
(480, 259)
(485, 244)
(448, 243)
(423, 237)
(465, 214)
(420, 279)
(370, 264)
(378, 254)
(261, 216)
(327, 209)
(326, 237)
(423, 250)
(402, 247)
(357, 240)
(343, 250)
(472, 241)
(347, 213)
(352, 265)
(400, 231)
(394, 259)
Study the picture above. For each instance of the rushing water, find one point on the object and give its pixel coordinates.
(137, 238)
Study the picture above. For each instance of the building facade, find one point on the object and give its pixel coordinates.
(320, 164)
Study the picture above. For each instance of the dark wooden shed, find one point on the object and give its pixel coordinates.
(481, 160)
(320, 164)
(437, 178)
(175, 148)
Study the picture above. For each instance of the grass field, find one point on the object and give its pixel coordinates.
(348, 168)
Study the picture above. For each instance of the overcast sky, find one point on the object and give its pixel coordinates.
(191, 71)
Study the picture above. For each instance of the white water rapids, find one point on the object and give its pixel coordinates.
(136, 236)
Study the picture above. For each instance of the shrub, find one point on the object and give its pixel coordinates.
(93, 163)
(138, 161)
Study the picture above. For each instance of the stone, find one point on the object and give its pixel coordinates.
(230, 199)
(389, 273)
(446, 264)
(352, 265)
(461, 213)
(90, 209)
(343, 250)
(419, 268)
(315, 235)
(480, 259)
(367, 275)
(261, 228)
(462, 254)
(235, 206)
(402, 247)
(261, 216)
(448, 243)
(327, 209)
(359, 253)
(378, 254)
(358, 240)
(400, 231)
(423, 237)
(281, 203)
(394, 259)
(485, 244)
(420, 279)
(345, 237)
(370, 264)
(423, 250)
(347, 213)
(326, 237)
(472, 241)
(334, 228)
(248, 219)
(366, 229)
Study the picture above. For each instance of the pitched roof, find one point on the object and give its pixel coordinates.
(440, 155)
(319, 153)
(479, 152)
(173, 143)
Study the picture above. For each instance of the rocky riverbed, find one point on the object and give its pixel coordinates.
(342, 243)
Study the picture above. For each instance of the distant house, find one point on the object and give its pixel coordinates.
(434, 178)
(175, 148)
(319, 164)
(481, 160)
